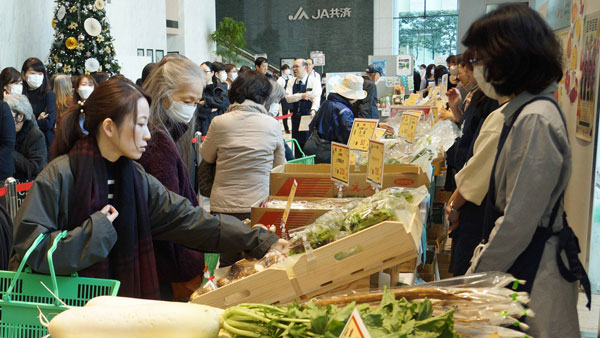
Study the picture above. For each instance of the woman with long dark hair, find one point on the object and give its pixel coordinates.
(42, 99)
(111, 208)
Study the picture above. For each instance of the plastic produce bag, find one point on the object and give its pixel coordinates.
(396, 203)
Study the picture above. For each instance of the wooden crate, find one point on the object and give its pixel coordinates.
(384, 245)
(267, 286)
(325, 273)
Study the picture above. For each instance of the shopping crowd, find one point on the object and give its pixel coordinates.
(114, 164)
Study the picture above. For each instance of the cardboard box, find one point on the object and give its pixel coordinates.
(296, 219)
(441, 195)
(314, 180)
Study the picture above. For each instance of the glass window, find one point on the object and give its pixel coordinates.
(428, 29)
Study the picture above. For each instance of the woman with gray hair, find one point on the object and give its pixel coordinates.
(175, 85)
(30, 154)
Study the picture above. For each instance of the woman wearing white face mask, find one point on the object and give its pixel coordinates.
(11, 82)
(518, 61)
(42, 99)
(84, 86)
(232, 74)
(214, 98)
(175, 86)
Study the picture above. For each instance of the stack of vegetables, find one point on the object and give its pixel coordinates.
(392, 318)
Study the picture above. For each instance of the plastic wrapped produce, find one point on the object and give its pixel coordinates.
(395, 203)
(480, 300)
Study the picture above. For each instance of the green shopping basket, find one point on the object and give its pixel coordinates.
(23, 294)
(304, 159)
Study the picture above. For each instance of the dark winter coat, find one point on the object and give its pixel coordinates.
(30, 154)
(367, 107)
(47, 104)
(216, 103)
(7, 141)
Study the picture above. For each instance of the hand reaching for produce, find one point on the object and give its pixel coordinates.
(446, 115)
(281, 245)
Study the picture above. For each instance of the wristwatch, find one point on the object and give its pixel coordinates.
(452, 207)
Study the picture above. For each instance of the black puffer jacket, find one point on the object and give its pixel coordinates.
(30, 154)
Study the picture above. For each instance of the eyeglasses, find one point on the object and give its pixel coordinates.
(475, 60)
(18, 117)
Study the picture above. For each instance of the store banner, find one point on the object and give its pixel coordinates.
(588, 64)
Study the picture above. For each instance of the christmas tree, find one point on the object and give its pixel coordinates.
(82, 40)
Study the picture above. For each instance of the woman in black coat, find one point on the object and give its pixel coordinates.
(42, 99)
(215, 100)
(30, 152)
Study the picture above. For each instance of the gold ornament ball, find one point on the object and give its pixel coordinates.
(71, 43)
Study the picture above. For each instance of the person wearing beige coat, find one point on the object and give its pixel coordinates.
(246, 143)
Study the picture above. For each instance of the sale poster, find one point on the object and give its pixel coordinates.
(588, 64)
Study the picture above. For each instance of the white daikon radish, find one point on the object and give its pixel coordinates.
(120, 317)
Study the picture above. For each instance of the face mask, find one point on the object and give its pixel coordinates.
(85, 91)
(35, 80)
(222, 76)
(181, 112)
(486, 87)
(274, 109)
(233, 76)
(15, 88)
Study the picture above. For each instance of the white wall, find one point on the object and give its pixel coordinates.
(197, 20)
(19, 38)
(385, 28)
(137, 24)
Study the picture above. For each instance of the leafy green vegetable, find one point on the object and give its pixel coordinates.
(392, 318)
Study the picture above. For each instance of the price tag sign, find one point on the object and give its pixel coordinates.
(375, 165)
(355, 327)
(288, 206)
(362, 131)
(408, 126)
(378, 134)
(412, 100)
(340, 163)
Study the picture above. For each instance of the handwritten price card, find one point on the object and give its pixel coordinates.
(362, 131)
(375, 165)
(408, 126)
(340, 163)
(379, 132)
(355, 327)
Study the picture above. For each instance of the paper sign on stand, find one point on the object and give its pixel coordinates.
(412, 100)
(340, 165)
(375, 164)
(408, 126)
(378, 134)
(362, 131)
(355, 327)
(288, 206)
